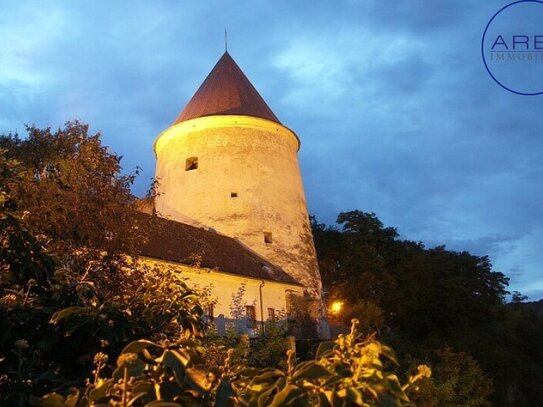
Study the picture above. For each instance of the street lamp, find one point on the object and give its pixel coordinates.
(336, 307)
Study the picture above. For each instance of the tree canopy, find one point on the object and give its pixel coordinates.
(423, 300)
(73, 189)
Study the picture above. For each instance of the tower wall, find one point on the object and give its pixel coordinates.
(247, 185)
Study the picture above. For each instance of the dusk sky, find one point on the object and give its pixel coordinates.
(392, 102)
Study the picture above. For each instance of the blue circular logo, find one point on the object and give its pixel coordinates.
(512, 47)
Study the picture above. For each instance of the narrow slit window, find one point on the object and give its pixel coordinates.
(191, 163)
(233, 194)
(268, 237)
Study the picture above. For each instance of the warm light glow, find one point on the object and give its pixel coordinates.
(336, 307)
(218, 121)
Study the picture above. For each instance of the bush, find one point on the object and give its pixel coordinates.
(349, 371)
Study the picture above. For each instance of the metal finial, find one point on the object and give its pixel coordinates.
(225, 41)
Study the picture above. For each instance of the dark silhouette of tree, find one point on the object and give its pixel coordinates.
(429, 299)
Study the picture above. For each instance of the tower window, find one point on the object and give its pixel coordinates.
(191, 164)
(268, 237)
(233, 194)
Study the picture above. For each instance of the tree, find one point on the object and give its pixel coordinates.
(67, 290)
(457, 380)
(75, 197)
(430, 298)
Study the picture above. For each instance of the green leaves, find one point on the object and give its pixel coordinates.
(291, 395)
(67, 313)
(311, 371)
(347, 371)
(56, 400)
(138, 346)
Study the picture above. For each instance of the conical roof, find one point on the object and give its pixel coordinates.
(226, 91)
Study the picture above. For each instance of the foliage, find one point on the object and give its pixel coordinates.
(301, 322)
(237, 305)
(269, 350)
(67, 291)
(370, 315)
(25, 269)
(75, 198)
(457, 381)
(266, 350)
(431, 299)
(216, 347)
(163, 308)
(349, 371)
(73, 187)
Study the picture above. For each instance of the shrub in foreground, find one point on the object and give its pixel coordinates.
(348, 371)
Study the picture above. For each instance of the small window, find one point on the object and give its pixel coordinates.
(250, 315)
(271, 314)
(191, 164)
(268, 237)
(233, 194)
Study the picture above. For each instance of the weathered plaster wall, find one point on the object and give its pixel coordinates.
(224, 286)
(255, 159)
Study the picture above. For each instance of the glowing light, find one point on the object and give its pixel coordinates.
(336, 307)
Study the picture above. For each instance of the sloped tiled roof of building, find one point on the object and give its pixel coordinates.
(226, 91)
(181, 243)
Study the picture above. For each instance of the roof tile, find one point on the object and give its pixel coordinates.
(226, 91)
(182, 243)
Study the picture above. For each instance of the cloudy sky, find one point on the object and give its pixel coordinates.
(396, 112)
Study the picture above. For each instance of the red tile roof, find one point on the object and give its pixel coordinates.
(185, 244)
(226, 91)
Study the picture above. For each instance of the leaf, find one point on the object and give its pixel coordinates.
(332, 380)
(138, 346)
(387, 400)
(66, 313)
(355, 396)
(323, 400)
(264, 398)
(224, 393)
(267, 377)
(288, 395)
(49, 400)
(171, 360)
(135, 398)
(135, 369)
(394, 387)
(324, 348)
(198, 379)
(312, 371)
(249, 372)
(72, 398)
(100, 391)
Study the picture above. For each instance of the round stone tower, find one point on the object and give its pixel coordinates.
(228, 163)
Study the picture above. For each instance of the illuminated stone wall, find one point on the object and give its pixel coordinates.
(240, 176)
